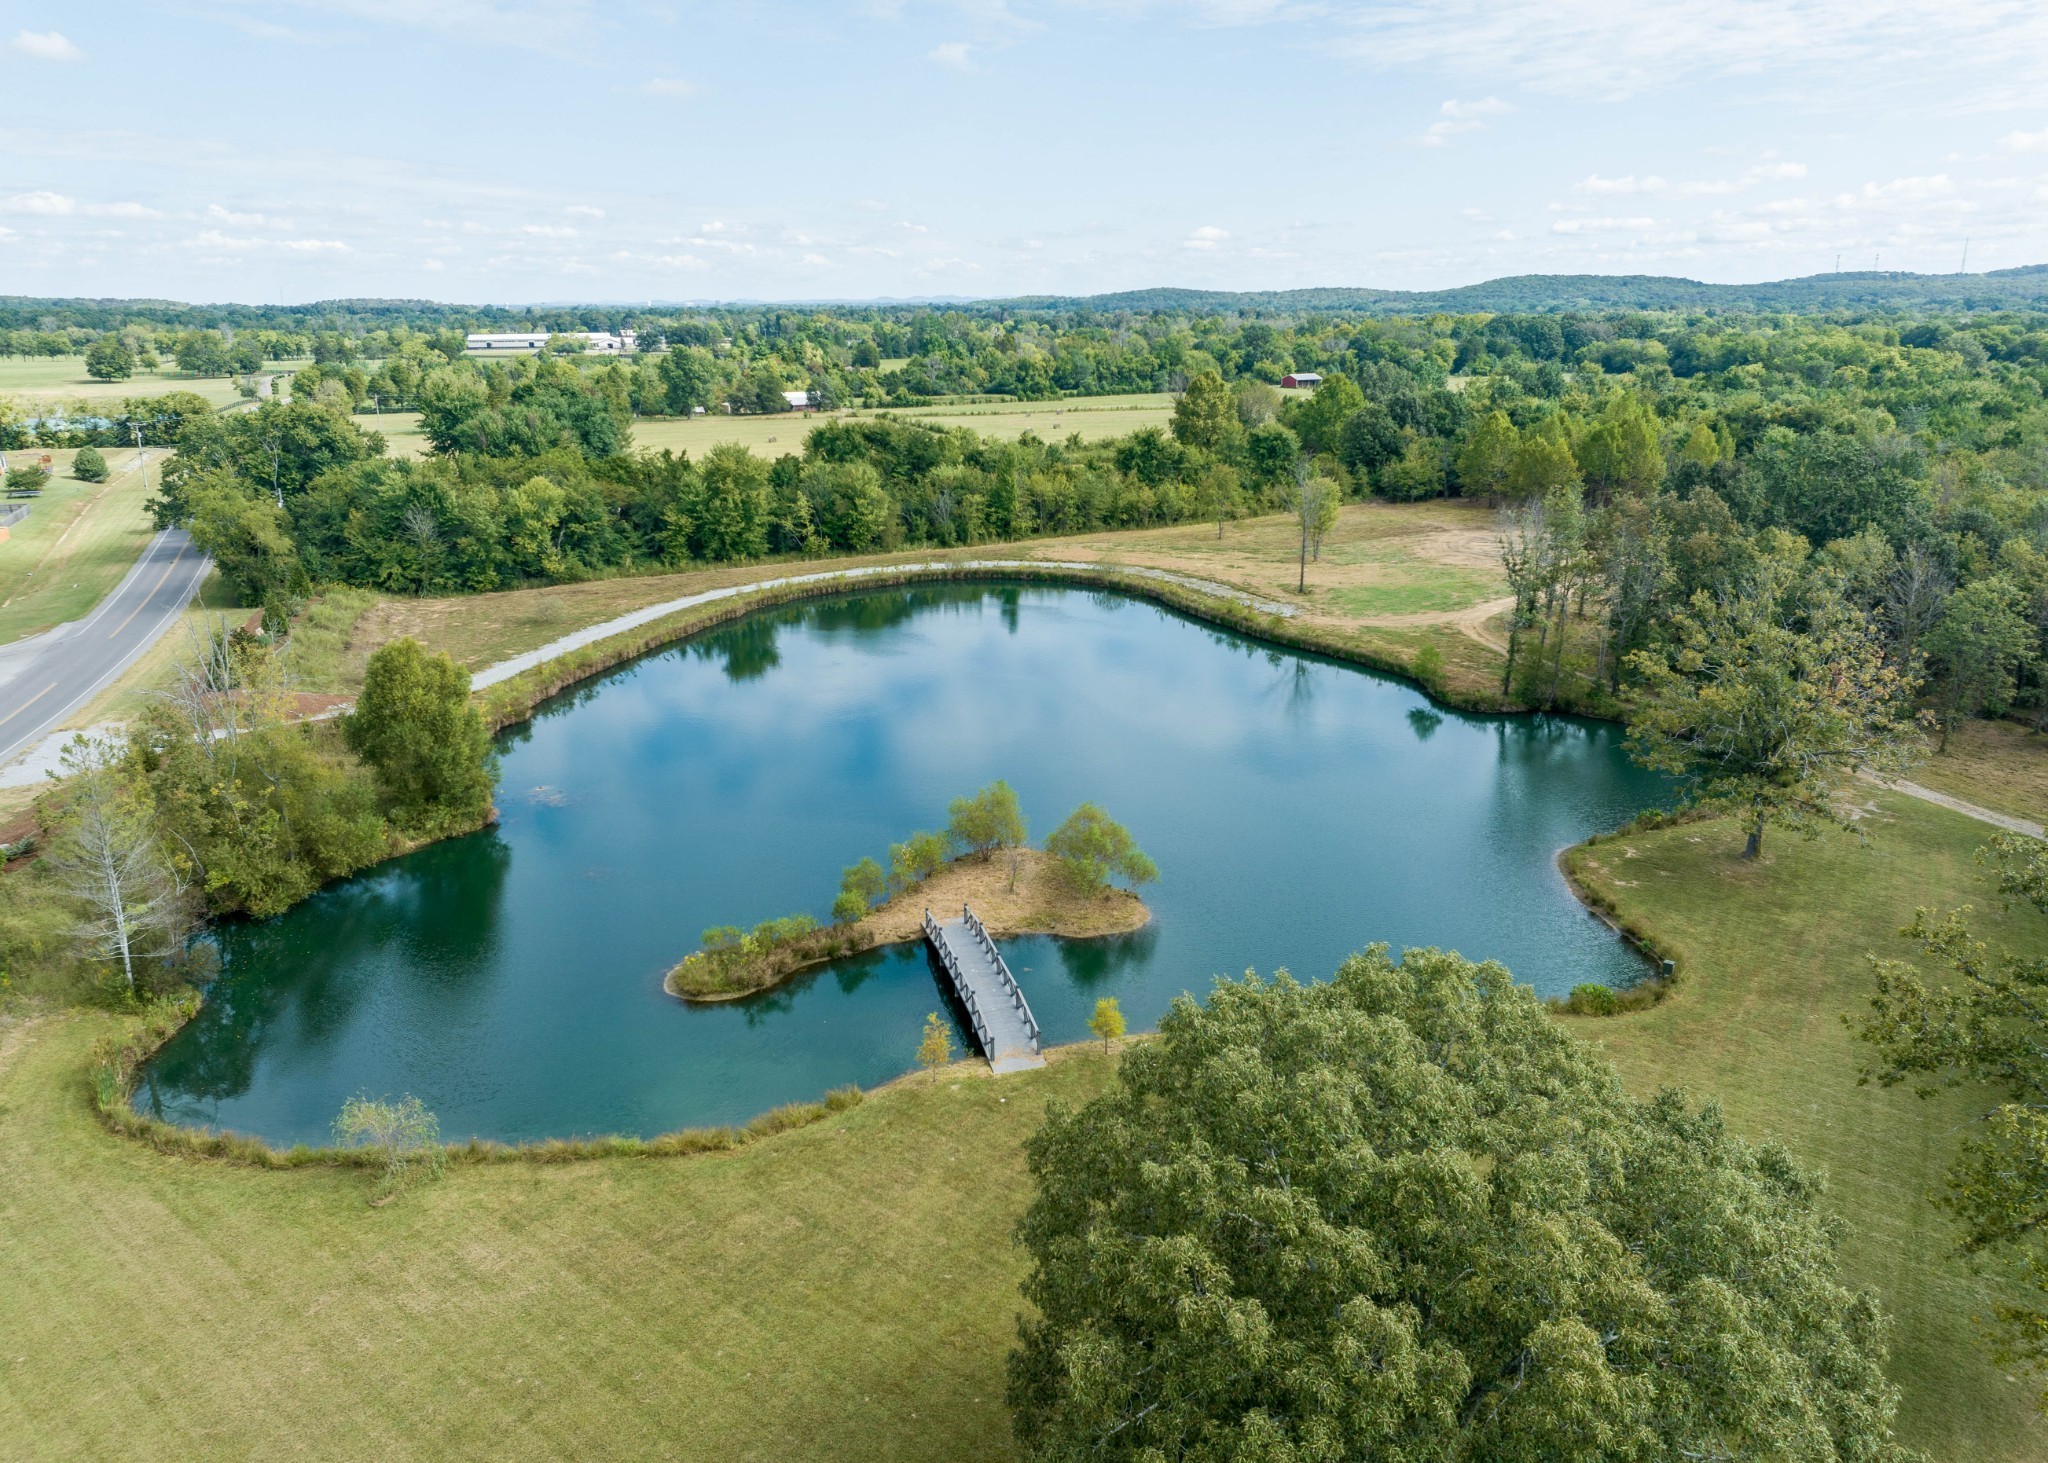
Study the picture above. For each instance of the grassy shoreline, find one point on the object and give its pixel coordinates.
(1042, 903)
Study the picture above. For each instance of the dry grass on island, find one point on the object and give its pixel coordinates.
(1044, 901)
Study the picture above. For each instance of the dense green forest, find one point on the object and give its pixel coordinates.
(1898, 465)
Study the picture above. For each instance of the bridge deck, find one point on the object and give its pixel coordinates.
(995, 1006)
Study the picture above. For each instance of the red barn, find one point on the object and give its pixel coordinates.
(1301, 378)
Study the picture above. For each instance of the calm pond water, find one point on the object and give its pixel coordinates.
(1298, 809)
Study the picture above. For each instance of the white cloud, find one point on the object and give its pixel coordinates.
(44, 45)
(2025, 141)
(1484, 107)
(215, 239)
(953, 55)
(42, 201)
(239, 220)
(583, 210)
(1207, 237)
(668, 86)
(434, 266)
(1597, 48)
(549, 231)
(1462, 117)
(1594, 183)
(1602, 225)
(531, 25)
(7, 234)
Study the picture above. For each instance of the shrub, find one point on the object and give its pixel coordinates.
(861, 887)
(26, 482)
(405, 1137)
(89, 466)
(1591, 999)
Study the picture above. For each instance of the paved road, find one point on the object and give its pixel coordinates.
(46, 678)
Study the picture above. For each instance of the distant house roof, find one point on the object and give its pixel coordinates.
(797, 399)
(1301, 378)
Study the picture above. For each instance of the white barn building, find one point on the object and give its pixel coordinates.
(596, 342)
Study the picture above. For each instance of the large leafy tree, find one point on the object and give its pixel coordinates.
(429, 747)
(1404, 1215)
(1767, 695)
(1980, 638)
(1985, 1027)
(1206, 414)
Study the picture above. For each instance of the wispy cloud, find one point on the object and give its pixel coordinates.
(668, 86)
(45, 45)
(1205, 238)
(953, 55)
(1459, 117)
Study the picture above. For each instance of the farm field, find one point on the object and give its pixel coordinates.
(620, 1305)
(1094, 417)
(53, 378)
(76, 543)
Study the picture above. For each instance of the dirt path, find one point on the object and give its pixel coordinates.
(1956, 805)
(1472, 623)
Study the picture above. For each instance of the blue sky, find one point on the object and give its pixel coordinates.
(522, 150)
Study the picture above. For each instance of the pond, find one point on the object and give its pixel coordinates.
(1298, 809)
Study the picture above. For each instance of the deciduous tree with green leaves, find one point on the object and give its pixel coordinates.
(1403, 1214)
(1093, 848)
(428, 746)
(1108, 1020)
(1206, 415)
(935, 1048)
(1768, 695)
(988, 821)
(1980, 638)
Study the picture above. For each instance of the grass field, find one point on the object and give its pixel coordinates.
(1094, 417)
(1771, 957)
(1392, 579)
(1994, 764)
(847, 1290)
(46, 378)
(76, 543)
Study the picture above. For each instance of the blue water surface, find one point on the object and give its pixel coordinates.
(1298, 810)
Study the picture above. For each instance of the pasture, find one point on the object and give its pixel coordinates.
(76, 543)
(46, 380)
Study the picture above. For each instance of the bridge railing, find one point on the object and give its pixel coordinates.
(1010, 986)
(961, 987)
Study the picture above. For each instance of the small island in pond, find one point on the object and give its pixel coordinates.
(1063, 889)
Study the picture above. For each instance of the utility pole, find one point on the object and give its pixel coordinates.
(141, 457)
(1966, 256)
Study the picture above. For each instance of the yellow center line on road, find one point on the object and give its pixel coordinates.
(152, 592)
(28, 703)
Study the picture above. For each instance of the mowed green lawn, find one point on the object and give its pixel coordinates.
(1771, 957)
(848, 1290)
(64, 378)
(74, 546)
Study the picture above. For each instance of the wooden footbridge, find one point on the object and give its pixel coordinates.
(981, 978)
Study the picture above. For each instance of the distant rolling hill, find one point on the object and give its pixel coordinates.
(2003, 289)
